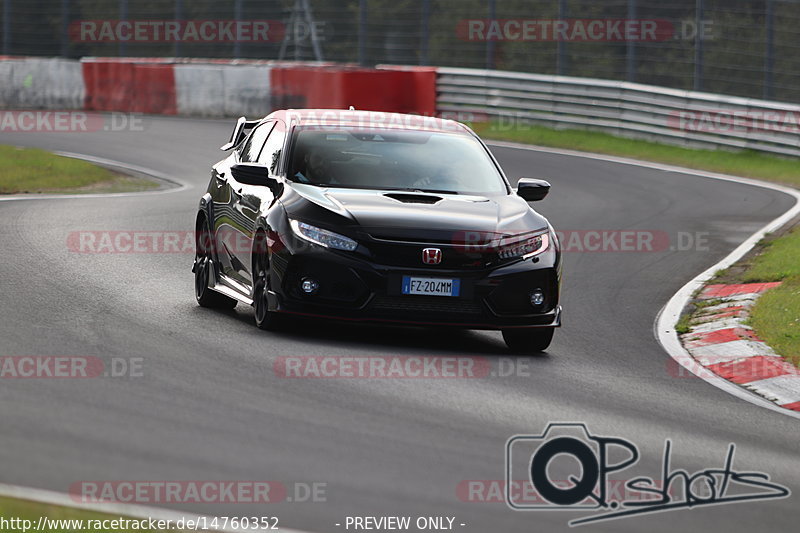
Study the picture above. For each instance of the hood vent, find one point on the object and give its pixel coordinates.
(411, 198)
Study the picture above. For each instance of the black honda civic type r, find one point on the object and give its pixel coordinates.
(376, 217)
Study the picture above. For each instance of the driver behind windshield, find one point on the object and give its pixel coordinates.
(314, 169)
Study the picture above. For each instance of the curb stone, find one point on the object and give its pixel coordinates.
(724, 345)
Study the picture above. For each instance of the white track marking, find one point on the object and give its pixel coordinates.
(178, 185)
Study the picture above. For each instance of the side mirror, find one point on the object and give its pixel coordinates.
(251, 174)
(532, 189)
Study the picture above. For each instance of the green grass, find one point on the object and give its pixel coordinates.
(743, 163)
(30, 170)
(776, 319)
(28, 510)
(776, 316)
(779, 259)
(684, 325)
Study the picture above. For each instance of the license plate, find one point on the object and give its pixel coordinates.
(431, 286)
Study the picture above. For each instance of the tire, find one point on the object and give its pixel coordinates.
(265, 319)
(528, 340)
(202, 270)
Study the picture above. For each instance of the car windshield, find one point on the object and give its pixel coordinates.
(394, 159)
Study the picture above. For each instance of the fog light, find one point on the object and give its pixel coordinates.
(537, 298)
(309, 286)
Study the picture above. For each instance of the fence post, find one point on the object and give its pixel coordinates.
(769, 53)
(698, 44)
(362, 33)
(6, 27)
(426, 32)
(64, 28)
(490, 44)
(561, 50)
(178, 17)
(123, 15)
(630, 56)
(237, 16)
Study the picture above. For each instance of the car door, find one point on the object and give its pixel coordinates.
(231, 226)
(255, 199)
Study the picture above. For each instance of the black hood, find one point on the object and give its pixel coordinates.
(405, 214)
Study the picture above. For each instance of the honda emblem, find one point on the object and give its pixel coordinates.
(431, 256)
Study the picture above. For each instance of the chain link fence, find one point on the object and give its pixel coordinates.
(737, 47)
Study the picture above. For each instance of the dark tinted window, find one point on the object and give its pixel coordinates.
(271, 153)
(253, 144)
(394, 159)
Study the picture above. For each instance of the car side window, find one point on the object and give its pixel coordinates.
(271, 154)
(253, 144)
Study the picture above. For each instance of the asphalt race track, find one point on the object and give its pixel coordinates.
(210, 407)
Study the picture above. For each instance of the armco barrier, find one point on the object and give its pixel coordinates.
(628, 109)
(40, 83)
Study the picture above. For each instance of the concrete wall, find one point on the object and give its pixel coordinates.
(223, 90)
(41, 83)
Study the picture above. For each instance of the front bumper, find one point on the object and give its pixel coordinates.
(354, 289)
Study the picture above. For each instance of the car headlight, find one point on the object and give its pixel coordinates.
(322, 237)
(523, 246)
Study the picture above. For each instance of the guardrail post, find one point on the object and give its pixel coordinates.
(630, 55)
(561, 50)
(490, 44)
(769, 52)
(698, 44)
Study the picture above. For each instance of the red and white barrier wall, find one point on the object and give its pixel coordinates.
(41, 83)
(210, 88)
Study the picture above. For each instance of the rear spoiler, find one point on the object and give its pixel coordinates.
(240, 131)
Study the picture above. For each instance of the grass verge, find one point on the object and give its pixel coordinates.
(30, 170)
(776, 319)
(63, 519)
(776, 315)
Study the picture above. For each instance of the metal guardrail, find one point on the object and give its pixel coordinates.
(628, 109)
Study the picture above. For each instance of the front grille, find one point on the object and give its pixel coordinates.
(426, 304)
(410, 256)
